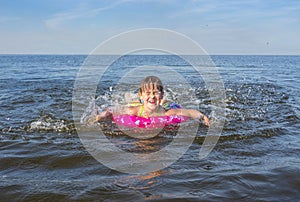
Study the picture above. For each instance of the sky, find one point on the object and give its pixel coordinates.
(269, 27)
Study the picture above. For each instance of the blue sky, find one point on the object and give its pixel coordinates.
(219, 26)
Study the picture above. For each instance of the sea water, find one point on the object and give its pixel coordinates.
(256, 157)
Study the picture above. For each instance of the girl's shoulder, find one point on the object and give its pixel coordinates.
(134, 110)
(175, 111)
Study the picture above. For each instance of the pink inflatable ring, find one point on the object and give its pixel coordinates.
(149, 122)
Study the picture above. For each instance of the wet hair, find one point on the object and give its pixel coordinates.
(149, 83)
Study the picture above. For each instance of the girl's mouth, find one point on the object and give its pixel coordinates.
(152, 102)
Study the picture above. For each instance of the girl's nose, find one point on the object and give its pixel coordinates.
(152, 95)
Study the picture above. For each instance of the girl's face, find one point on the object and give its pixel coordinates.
(151, 98)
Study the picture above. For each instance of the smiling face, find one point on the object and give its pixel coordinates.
(151, 98)
(151, 93)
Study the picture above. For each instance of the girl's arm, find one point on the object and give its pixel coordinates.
(195, 114)
(121, 110)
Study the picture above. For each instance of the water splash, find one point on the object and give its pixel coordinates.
(49, 123)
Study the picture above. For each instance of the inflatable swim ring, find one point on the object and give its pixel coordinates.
(149, 122)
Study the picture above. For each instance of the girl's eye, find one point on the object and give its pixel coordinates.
(154, 93)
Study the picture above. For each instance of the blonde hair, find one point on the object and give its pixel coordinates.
(151, 82)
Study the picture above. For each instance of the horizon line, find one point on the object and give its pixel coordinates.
(84, 54)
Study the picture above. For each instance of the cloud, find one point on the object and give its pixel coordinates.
(236, 12)
(60, 18)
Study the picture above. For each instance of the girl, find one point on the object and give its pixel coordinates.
(151, 94)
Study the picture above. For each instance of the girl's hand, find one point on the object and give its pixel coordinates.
(103, 114)
(203, 119)
(206, 121)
